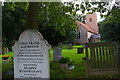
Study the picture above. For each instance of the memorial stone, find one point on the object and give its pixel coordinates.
(31, 56)
(57, 54)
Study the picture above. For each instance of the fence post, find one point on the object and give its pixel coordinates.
(86, 62)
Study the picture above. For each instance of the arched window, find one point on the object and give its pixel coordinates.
(90, 20)
(78, 36)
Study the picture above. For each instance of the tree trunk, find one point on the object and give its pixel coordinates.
(33, 16)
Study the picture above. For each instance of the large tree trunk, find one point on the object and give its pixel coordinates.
(33, 16)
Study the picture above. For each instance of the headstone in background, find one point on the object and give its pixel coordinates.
(57, 54)
(80, 50)
(70, 46)
(31, 56)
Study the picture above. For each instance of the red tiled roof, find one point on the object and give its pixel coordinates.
(87, 27)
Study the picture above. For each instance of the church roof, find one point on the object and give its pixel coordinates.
(87, 27)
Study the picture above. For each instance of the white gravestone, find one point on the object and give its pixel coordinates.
(31, 56)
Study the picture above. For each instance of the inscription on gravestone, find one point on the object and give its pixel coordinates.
(31, 56)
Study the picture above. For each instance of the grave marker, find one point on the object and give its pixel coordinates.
(31, 56)
(57, 54)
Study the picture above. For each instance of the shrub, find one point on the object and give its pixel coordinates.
(64, 60)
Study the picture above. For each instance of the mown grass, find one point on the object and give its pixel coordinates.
(75, 46)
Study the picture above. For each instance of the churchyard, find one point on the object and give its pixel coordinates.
(77, 72)
(52, 40)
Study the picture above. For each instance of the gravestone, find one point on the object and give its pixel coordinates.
(80, 50)
(31, 56)
(57, 54)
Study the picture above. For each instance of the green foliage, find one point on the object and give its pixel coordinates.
(10, 54)
(56, 19)
(64, 60)
(109, 28)
(90, 7)
(113, 16)
(13, 21)
(56, 22)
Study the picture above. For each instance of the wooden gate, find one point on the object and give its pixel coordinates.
(102, 58)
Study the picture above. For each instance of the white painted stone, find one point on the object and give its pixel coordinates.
(31, 56)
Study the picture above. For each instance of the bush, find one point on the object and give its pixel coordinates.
(64, 60)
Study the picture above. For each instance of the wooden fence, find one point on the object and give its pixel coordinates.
(102, 58)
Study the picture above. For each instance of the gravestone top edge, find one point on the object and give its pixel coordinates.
(33, 31)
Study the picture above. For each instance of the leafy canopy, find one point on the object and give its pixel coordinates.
(109, 28)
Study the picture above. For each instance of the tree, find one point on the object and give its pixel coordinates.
(53, 20)
(90, 7)
(109, 28)
(32, 16)
(13, 21)
(56, 22)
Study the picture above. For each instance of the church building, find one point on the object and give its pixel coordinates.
(88, 32)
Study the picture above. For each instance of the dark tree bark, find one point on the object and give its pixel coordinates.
(33, 16)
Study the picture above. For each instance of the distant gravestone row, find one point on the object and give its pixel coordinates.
(31, 56)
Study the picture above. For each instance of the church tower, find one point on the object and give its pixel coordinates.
(91, 20)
